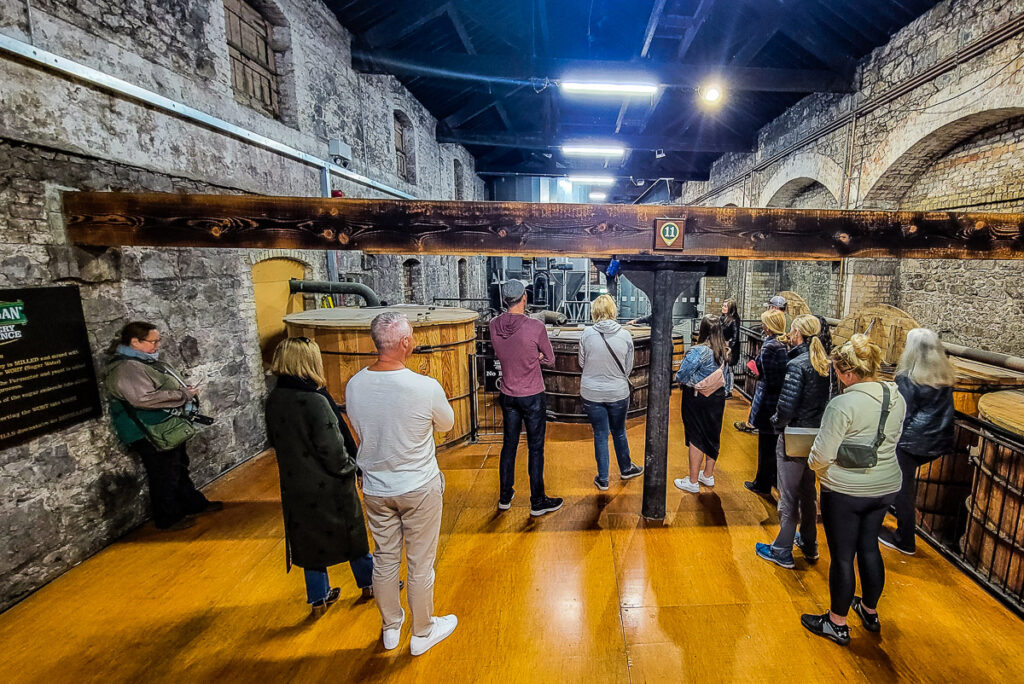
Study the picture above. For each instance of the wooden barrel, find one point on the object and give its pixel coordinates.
(445, 340)
(994, 542)
(943, 485)
(974, 379)
(795, 304)
(562, 383)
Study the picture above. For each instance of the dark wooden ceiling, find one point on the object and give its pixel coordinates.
(488, 70)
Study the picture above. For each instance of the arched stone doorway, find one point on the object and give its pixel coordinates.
(273, 300)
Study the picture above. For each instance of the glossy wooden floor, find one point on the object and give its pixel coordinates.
(591, 593)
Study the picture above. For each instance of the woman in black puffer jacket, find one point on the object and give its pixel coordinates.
(925, 378)
(805, 392)
(771, 371)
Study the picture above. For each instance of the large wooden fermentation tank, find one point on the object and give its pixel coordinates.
(445, 340)
(994, 542)
(562, 382)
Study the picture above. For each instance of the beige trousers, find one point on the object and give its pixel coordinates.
(414, 517)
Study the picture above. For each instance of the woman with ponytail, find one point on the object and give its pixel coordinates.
(805, 392)
(771, 371)
(854, 456)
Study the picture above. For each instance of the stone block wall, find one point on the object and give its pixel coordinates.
(953, 142)
(71, 493)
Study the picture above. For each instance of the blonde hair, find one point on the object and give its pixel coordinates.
(299, 356)
(859, 356)
(809, 326)
(924, 360)
(604, 309)
(774, 321)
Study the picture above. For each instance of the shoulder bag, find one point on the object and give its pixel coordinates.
(164, 435)
(859, 456)
(622, 369)
(711, 383)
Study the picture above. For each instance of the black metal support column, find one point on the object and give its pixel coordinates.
(662, 279)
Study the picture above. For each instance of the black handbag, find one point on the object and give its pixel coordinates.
(859, 456)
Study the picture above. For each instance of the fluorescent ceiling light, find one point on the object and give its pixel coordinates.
(580, 150)
(565, 184)
(592, 180)
(598, 196)
(590, 88)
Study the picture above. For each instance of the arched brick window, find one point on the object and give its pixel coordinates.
(405, 154)
(458, 179)
(463, 268)
(259, 46)
(412, 281)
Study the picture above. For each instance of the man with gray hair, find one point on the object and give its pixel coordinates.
(521, 345)
(394, 413)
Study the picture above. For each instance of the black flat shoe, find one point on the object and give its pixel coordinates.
(753, 487)
(870, 620)
(320, 607)
(824, 627)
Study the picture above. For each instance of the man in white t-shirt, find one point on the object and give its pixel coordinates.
(394, 413)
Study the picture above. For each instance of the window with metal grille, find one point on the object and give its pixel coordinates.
(253, 63)
(405, 156)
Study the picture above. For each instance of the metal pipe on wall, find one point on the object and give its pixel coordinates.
(297, 286)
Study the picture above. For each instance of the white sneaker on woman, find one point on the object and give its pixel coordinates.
(706, 480)
(442, 629)
(687, 486)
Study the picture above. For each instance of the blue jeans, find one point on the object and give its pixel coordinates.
(318, 585)
(515, 412)
(605, 418)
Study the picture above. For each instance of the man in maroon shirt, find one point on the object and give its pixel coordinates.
(521, 345)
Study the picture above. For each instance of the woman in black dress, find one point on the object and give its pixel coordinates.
(731, 330)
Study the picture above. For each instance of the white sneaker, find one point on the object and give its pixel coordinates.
(391, 637)
(707, 481)
(442, 629)
(687, 486)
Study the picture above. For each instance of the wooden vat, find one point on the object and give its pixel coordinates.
(943, 485)
(795, 304)
(884, 325)
(445, 339)
(994, 542)
(562, 382)
(975, 379)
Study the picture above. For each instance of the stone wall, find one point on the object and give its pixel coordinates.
(69, 494)
(954, 142)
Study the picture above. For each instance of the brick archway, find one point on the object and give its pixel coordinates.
(799, 173)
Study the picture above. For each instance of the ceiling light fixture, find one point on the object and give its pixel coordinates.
(598, 196)
(565, 184)
(592, 180)
(580, 150)
(711, 93)
(586, 88)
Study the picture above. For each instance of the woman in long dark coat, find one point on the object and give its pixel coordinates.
(323, 518)
(771, 371)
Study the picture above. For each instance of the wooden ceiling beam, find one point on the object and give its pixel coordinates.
(518, 228)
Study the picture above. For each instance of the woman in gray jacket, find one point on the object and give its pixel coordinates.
(854, 499)
(606, 357)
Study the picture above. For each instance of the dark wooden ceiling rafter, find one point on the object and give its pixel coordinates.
(110, 219)
(539, 141)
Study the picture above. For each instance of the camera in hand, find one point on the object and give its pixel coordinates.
(194, 416)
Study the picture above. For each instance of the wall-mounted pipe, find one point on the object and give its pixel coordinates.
(296, 286)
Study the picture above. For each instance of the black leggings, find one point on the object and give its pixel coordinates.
(851, 526)
(767, 465)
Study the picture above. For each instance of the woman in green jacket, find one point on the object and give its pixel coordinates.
(323, 518)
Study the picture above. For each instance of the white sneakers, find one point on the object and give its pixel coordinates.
(442, 629)
(706, 480)
(687, 486)
(391, 637)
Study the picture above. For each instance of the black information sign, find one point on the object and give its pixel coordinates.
(47, 380)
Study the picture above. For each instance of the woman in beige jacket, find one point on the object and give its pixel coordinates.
(854, 500)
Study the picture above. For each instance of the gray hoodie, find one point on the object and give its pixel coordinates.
(602, 380)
